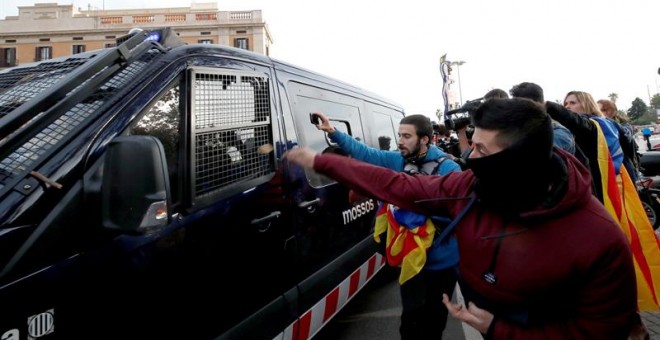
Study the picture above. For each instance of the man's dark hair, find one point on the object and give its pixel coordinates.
(422, 124)
(528, 90)
(443, 130)
(496, 94)
(516, 120)
(384, 142)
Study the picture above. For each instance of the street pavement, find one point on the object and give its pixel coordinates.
(374, 315)
(652, 322)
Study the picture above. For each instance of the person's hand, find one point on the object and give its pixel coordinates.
(474, 316)
(301, 156)
(325, 123)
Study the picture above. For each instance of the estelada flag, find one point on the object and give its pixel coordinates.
(626, 208)
(408, 236)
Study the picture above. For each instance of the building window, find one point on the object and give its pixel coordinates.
(78, 49)
(9, 57)
(205, 41)
(205, 33)
(111, 37)
(43, 53)
(241, 43)
(44, 39)
(110, 45)
(77, 38)
(241, 32)
(9, 41)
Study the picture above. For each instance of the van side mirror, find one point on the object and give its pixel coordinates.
(134, 193)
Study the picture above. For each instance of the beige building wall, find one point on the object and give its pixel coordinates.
(54, 28)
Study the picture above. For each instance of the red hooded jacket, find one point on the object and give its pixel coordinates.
(563, 271)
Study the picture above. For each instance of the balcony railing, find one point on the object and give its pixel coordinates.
(240, 15)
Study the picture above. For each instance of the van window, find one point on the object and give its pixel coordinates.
(162, 120)
(231, 133)
(339, 125)
(342, 110)
(383, 128)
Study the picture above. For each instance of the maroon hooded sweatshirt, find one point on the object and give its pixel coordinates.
(563, 271)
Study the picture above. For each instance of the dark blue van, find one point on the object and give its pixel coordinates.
(143, 195)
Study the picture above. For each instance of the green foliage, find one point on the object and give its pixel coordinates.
(162, 122)
(637, 110)
(646, 119)
(655, 101)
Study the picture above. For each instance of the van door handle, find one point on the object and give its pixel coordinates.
(309, 204)
(267, 218)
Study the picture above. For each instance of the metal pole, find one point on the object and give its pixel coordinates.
(460, 90)
(458, 73)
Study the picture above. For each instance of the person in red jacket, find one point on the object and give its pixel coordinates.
(541, 258)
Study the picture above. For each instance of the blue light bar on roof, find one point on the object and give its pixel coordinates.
(153, 36)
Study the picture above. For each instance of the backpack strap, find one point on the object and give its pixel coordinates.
(440, 160)
(431, 167)
(449, 228)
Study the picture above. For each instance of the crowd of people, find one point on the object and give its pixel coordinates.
(530, 211)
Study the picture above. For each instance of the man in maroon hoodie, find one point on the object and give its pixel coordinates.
(540, 257)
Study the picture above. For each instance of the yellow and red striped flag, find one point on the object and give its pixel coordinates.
(405, 245)
(626, 208)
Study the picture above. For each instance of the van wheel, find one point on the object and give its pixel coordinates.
(651, 210)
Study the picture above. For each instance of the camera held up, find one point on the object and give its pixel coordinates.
(459, 118)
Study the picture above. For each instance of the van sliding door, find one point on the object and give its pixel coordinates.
(333, 223)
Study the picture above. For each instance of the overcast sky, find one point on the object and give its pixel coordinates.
(393, 48)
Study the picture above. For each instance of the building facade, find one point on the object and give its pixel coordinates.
(49, 30)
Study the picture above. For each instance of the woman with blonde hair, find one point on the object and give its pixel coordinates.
(582, 102)
(578, 115)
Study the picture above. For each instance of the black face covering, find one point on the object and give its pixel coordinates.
(517, 178)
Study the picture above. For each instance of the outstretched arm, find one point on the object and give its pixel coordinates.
(387, 185)
(579, 125)
(359, 150)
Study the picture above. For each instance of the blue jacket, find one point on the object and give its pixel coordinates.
(563, 138)
(387, 159)
(440, 255)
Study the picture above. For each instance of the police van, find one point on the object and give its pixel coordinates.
(143, 195)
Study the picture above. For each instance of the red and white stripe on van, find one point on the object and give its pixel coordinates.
(323, 311)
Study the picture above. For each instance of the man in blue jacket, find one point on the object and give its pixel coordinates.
(424, 316)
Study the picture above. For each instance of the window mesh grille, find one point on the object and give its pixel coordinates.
(19, 85)
(25, 155)
(233, 141)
